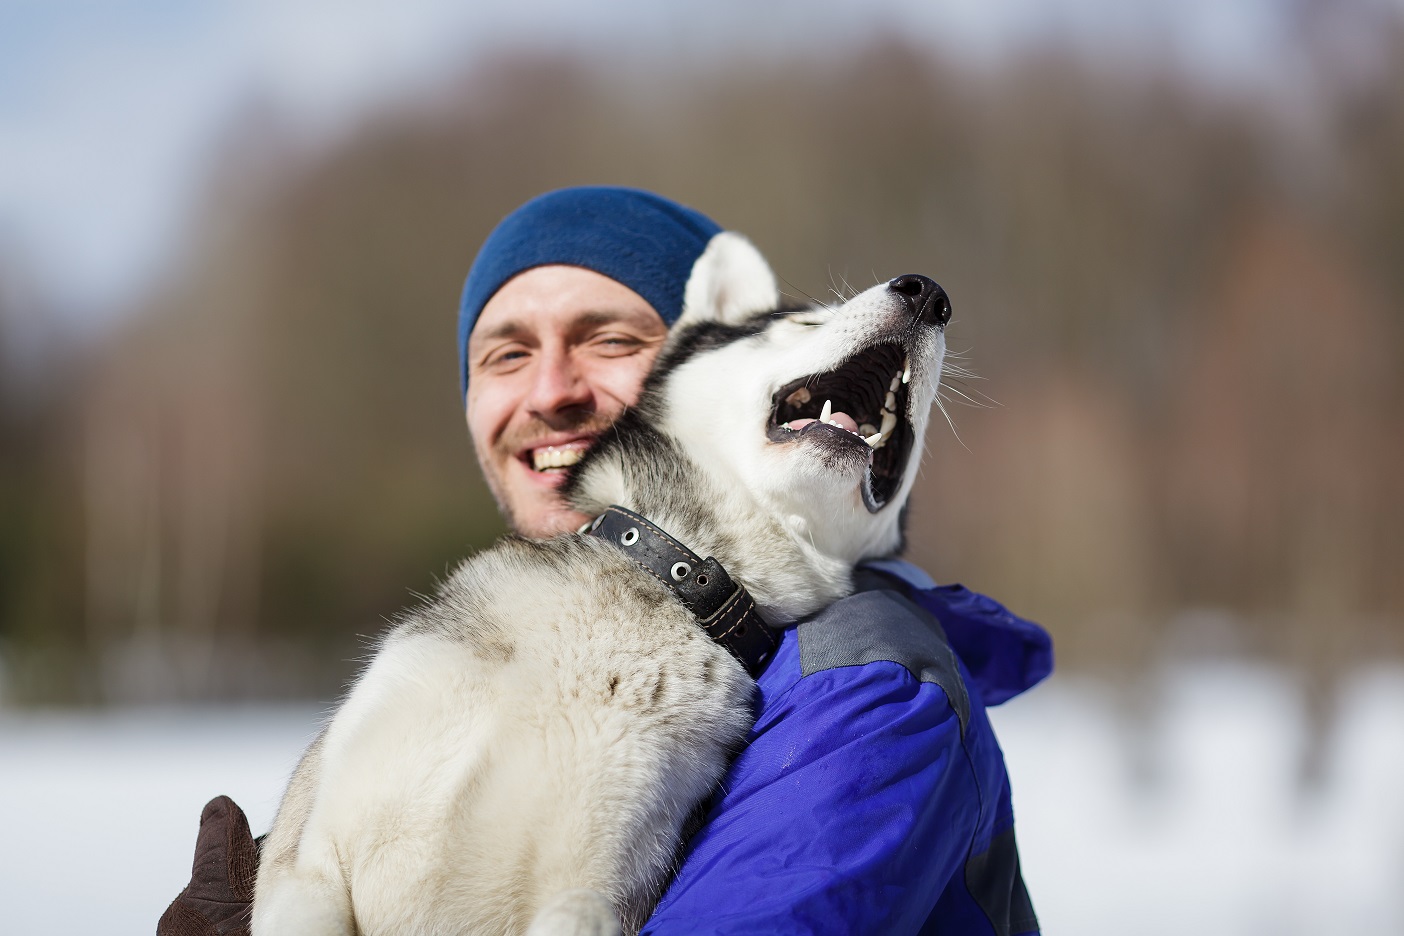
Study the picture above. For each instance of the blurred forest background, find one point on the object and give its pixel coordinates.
(1186, 302)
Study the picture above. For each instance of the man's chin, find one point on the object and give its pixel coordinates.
(536, 509)
(539, 521)
(531, 502)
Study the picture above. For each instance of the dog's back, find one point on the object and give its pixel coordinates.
(543, 728)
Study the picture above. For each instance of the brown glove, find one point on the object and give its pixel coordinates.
(219, 896)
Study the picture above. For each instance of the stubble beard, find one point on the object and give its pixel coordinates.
(560, 516)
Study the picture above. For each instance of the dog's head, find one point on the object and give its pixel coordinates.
(813, 416)
(818, 411)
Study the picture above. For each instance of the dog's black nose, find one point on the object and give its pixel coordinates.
(926, 300)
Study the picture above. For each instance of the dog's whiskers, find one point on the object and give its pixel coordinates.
(802, 294)
(955, 370)
(950, 422)
(965, 397)
(848, 286)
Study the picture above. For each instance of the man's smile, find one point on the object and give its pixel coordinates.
(547, 461)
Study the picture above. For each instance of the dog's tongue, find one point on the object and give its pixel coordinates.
(842, 420)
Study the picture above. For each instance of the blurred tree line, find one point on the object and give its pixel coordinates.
(1186, 304)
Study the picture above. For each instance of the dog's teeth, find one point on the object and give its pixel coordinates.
(867, 429)
(786, 427)
(873, 440)
(799, 397)
(897, 381)
(907, 371)
(890, 404)
(889, 422)
(827, 413)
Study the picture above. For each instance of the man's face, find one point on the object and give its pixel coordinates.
(554, 358)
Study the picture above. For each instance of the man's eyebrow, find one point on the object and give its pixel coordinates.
(508, 329)
(597, 317)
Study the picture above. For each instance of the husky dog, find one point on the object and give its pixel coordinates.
(523, 751)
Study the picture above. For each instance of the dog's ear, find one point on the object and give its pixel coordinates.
(730, 282)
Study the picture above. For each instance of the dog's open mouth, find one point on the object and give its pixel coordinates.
(862, 403)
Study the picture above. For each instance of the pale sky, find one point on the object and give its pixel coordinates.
(108, 107)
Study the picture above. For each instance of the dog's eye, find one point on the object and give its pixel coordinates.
(797, 316)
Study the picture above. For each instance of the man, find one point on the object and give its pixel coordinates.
(871, 796)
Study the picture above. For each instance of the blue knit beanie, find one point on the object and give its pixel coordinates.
(642, 240)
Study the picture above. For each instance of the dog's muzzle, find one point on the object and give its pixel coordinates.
(723, 608)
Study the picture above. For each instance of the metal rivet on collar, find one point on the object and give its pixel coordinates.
(595, 523)
(630, 537)
(680, 571)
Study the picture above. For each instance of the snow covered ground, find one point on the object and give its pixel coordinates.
(1189, 821)
(1197, 822)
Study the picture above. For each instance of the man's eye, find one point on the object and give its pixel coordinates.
(616, 344)
(506, 357)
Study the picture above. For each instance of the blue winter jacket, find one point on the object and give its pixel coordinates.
(871, 796)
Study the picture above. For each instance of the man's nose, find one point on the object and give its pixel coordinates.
(559, 388)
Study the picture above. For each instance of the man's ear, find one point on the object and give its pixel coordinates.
(730, 282)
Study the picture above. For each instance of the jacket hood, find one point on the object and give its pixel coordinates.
(1004, 653)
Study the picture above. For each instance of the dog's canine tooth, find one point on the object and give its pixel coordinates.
(873, 440)
(827, 413)
(907, 370)
(799, 397)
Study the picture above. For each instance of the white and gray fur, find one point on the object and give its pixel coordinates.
(523, 751)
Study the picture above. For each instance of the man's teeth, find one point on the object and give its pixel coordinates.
(544, 458)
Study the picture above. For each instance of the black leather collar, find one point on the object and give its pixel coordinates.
(723, 608)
